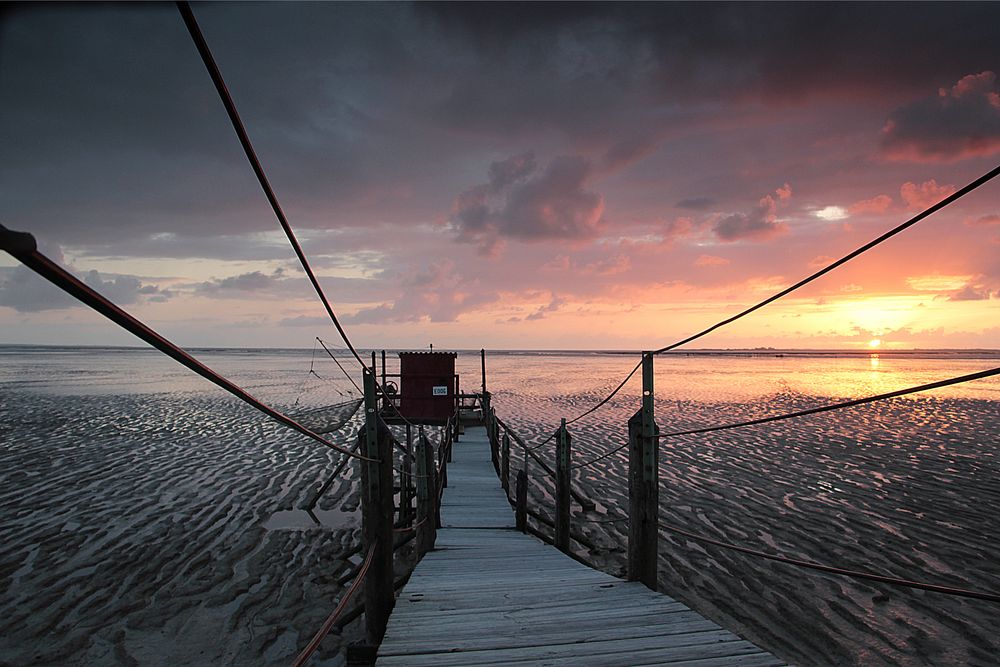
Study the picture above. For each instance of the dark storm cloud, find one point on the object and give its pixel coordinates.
(696, 203)
(26, 292)
(784, 49)
(245, 282)
(957, 122)
(519, 203)
(759, 224)
(125, 290)
(112, 133)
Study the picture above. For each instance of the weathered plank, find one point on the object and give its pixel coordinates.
(490, 595)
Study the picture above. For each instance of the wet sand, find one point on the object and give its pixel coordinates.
(135, 532)
(150, 520)
(908, 488)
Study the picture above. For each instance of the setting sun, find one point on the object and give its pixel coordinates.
(875, 343)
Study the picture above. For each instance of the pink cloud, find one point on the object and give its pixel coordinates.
(928, 193)
(959, 122)
(984, 221)
(710, 260)
(879, 204)
(610, 266)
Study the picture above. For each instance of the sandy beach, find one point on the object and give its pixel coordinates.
(149, 520)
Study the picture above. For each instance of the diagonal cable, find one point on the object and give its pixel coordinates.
(22, 247)
(845, 404)
(258, 169)
(958, 194)
(810, 411)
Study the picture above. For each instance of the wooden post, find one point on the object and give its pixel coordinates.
(426, 527)
(451, 434)
(562, 488)
(443, 462)
(383, 369)
(521, 505)
(644, 485)
(491, 433)
(485, 407)
(505, 464)
(482, 358)
(406, 490)
(376, 514)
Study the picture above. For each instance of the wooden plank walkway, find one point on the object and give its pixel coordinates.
(488, 595)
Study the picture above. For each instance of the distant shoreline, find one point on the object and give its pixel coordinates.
(759, 352)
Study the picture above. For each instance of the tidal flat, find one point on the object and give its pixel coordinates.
(150, 519)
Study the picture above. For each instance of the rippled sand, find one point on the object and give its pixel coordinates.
(908, 488)
(134, 533)
(149, 519)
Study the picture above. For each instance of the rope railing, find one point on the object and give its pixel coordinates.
(810, 411)
(22, 246)
(331, 620)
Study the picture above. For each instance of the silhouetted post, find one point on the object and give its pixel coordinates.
(376, 514)
(521, 504)
(406, 483)
(485, 405)
(482, 359)
(491, 433)
(562, 487)
(383, 372)
(505, 464)
(644, 483)
(443, 460)
(426, 494)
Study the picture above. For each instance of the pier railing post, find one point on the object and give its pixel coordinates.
(484, 405)
(563, 456)
(406, 490)
(644, 483)
(443, 460)
(376, 513)
(426, 495)
(521, 504)
(505, 464)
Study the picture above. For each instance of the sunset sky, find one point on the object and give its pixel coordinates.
(509, 176)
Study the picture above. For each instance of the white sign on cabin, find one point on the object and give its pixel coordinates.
(440, 391)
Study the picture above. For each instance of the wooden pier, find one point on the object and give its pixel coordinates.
(490, 595)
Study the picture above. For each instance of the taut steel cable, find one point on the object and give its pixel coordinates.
(22, 247)
(258, 169)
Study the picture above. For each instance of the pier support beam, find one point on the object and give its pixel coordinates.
(376, 513)
(644, 485)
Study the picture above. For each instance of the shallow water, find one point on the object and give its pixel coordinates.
(149, 517)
